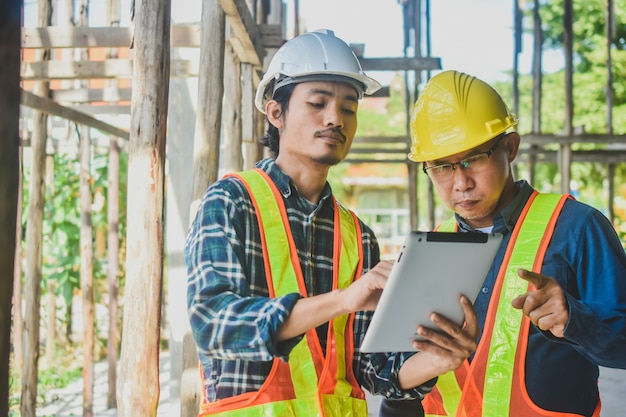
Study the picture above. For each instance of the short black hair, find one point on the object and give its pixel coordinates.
(272, 136)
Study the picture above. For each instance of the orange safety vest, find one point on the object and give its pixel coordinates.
(494, 383)
(311, 384)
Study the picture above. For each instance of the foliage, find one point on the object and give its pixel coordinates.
(373, 121)
(61, 222)
(63, 371)
(590, 112)
(589, 17)
(61, 246)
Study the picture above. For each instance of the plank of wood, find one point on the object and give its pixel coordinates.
(182, 36)
(103, 37)
(48, 106)
(108, 69)
(247, 40)
(88, 95)
(400, 64)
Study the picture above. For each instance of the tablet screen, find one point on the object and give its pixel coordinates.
(431, 272)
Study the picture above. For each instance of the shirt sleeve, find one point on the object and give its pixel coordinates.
(230, 311)
(597, 301)
(379, 375)
(378, 372)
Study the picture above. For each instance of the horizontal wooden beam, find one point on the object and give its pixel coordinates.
(89, 95)
(181, 36)
(383, 139)
(108, 69)
(400, 64)
(353, 160)
(543, 139)
(48, 106)
(103, 37)
(381, 151)
(601, 156)
(527, 139)
(109, 109)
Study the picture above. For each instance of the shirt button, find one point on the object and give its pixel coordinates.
(485, 290)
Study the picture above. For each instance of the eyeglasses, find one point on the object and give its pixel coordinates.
(474, 164)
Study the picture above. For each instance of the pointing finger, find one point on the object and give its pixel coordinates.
(537, 280)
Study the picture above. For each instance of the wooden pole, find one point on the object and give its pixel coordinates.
(34, 227)
(231, 113)
(565, 150)
(537, 83)
(210, 93)
(18, 318)
(86, 249)
(113, 241)
(205, 161)
(252, 150)
(86, 272)
(10, 23)
(113, 244)
(138, 386)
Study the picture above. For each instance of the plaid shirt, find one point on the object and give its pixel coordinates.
(233, 320)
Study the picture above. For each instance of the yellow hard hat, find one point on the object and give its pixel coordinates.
(456, 112)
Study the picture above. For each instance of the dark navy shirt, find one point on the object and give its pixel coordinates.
(587, 259)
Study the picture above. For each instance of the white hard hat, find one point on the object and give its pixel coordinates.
(314, 56)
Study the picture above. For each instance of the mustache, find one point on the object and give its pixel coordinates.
(333, 132)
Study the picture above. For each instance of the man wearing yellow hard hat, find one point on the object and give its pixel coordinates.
(553, 305)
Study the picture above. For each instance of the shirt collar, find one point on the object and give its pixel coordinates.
(283, 181)
(504, 221)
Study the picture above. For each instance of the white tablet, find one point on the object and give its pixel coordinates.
(431, 272)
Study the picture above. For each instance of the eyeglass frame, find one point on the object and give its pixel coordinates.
(488, 152)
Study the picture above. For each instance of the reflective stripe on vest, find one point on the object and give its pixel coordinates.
(311, 384)
(494, 380)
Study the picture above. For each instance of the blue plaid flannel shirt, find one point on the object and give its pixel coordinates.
(233, 320)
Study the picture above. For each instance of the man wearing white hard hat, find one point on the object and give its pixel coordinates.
(283, 278)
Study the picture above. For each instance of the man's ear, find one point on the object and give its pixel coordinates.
(274, 113)
(512, 145)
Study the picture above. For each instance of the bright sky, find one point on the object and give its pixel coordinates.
(470, 36)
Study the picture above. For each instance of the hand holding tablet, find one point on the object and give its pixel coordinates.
(431, 272)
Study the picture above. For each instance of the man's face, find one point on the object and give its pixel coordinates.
(477, 194)
(319, 124)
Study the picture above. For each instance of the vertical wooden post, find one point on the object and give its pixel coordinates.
(138, 386)
(537, 83)
(18, 319)
(51, 309)
(210, 93)
(86, 271)
(517, 50)
(86, 248)
(565, 150)
(113, 244)
(205, 161)
(34, 227)
(231, 112)
(610, 39)
(412, 171)
(10, 23)
(252, 150)
(611, 192)
(50, 283)
(113, 240)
